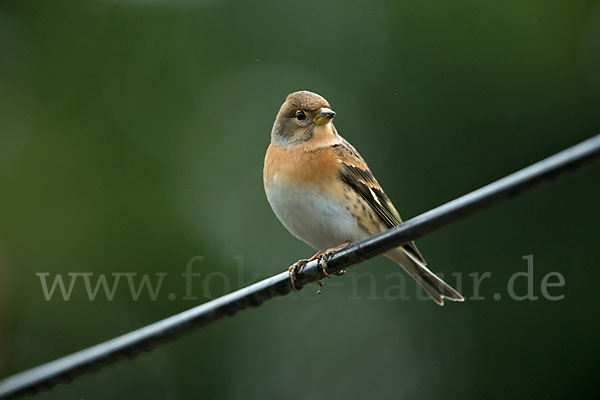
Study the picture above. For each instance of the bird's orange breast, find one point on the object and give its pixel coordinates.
(300, 166)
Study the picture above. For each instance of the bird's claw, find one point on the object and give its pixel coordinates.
(322, 260)
(320, 283)
(293, 271)
(322, 257)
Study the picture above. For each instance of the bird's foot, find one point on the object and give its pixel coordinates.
(324, 257)
(297, 267)
(293, 271)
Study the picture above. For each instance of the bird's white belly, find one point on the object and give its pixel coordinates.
(312, 216)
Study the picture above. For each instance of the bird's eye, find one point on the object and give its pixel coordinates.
(300, 115)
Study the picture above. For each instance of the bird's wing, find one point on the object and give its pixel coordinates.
(356, 174)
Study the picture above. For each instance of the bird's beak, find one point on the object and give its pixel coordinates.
(324, 116)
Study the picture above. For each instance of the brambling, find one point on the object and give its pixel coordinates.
(323, 192)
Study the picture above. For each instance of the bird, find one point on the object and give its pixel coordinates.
(323, 192)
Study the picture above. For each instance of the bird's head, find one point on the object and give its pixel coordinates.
(302, 116)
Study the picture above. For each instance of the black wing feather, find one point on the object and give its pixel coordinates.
(365, 184)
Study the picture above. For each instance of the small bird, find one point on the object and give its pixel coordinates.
(323, 192)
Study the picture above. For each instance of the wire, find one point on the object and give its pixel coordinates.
(131, 344)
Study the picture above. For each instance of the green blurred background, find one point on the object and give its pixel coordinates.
(132, 137)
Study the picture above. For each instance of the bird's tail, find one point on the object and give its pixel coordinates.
(434, 286)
